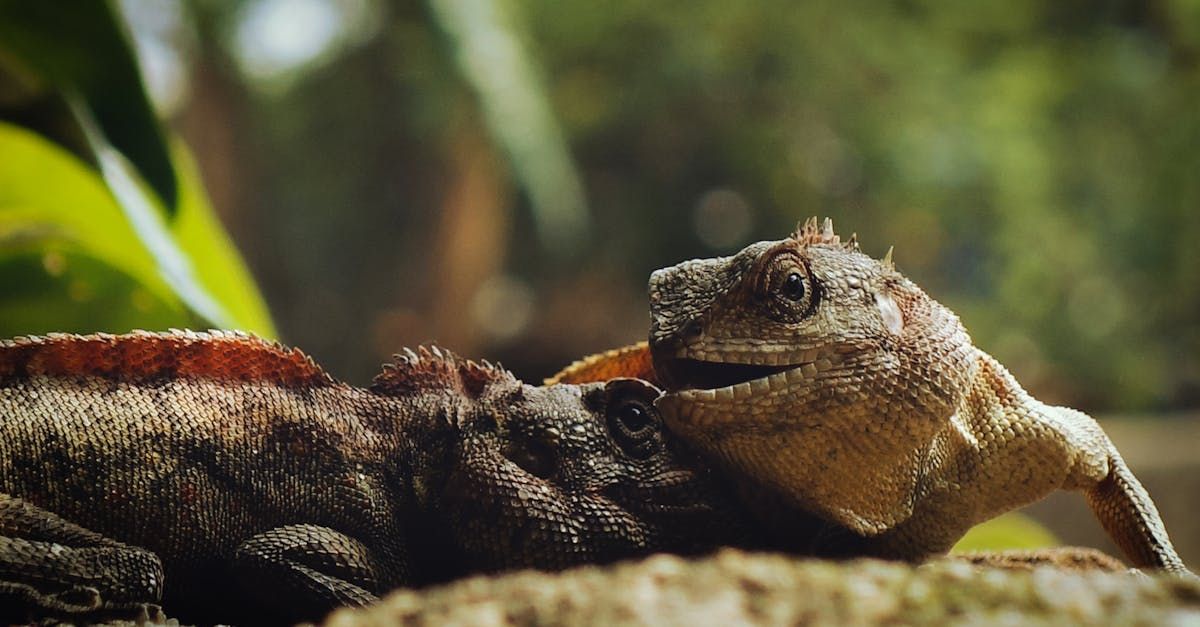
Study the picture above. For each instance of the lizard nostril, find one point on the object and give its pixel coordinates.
(692, 329)
(533, 456)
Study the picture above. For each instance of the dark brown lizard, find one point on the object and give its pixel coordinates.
(233, 480)
(824, 378)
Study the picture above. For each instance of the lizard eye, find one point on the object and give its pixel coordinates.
(634, 418)
(792, 287)
(633, 425)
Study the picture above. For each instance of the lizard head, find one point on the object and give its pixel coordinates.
(813, 350)
(555, 476)
(779, 313)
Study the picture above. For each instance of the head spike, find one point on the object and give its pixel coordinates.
(852, 243)
(806, 229)
(887, 259)
(813, 232)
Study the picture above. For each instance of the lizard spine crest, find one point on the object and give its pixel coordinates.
(146, 355)
(431, 367)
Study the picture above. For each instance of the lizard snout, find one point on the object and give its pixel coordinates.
(681, 298)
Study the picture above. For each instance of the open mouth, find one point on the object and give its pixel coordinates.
(704, 379)
(683, 373)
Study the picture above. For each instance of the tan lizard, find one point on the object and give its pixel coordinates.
(808, 369)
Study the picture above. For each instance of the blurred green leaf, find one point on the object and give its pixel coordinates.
(55, 208)
(1007, 531)
(80, 48)
(46, 195)
(53, 285)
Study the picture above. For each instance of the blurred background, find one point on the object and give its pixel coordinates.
(501, 176)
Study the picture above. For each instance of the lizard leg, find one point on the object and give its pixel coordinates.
(1131, 519)
(306, 571)
(1115, 496)
(49, 565)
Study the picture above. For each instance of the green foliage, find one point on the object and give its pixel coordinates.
(75, 263)
(1007, 531)
(1034, 163)
(78, 48)
(125, 241)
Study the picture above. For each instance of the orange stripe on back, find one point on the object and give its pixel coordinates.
(143, 355)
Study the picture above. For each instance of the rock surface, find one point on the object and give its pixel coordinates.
(733, 587)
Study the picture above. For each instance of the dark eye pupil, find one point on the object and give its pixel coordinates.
(793, 286)
(634, 418)
(634, 427)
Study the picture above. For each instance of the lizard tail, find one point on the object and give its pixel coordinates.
(1129, 516)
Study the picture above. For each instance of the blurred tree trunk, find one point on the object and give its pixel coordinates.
(472, 239)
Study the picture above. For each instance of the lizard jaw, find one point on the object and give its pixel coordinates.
(688, 373)
(744, 389)
(711, 378)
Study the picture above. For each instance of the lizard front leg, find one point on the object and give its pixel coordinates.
(1129, 516)
(1116, 497)
(50, 566)
(303, 572)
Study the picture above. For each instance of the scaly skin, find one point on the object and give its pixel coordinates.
(822, 377)
(234, 480)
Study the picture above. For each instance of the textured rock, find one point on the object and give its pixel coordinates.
(733, 587)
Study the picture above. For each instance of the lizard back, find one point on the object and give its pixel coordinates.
(188, 444)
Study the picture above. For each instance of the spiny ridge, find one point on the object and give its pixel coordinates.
(809, 233)
(146, 355)
(433, 367)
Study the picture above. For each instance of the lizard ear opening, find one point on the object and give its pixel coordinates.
(889, 311)
(429, 368)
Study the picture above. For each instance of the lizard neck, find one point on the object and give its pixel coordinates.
(425, 444)
(990, 456)
(995, 394)
(923, 375)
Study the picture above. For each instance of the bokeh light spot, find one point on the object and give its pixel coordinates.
(275, 38)
(502, 307)
(54, 262)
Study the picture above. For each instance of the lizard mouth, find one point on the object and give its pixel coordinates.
(683, 373)
(710, 379)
